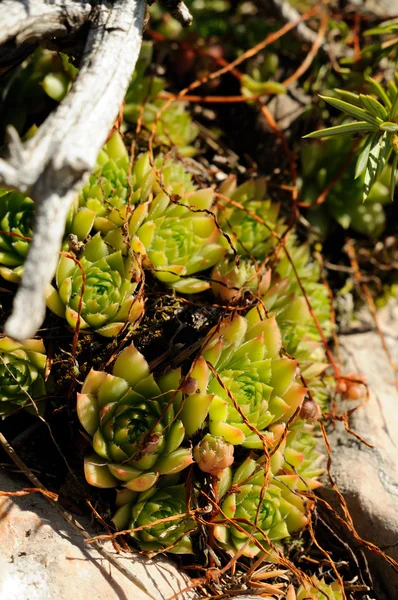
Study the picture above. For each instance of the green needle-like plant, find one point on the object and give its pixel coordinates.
(22, 368)
(149, 511)
(98, 291)
(130, 417)
(328, 162)
(16, 215)
(375, 117)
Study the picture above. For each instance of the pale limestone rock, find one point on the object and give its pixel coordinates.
(368, 478)
(43, 558)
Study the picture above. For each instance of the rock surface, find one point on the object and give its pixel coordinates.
(43, 558)
(368, 478)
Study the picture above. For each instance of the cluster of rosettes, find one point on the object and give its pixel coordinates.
(153, 217)
(238, 393)
(279, 272)
(243, 395)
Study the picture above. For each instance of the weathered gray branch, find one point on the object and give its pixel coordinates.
(53, 164)
(25, 21)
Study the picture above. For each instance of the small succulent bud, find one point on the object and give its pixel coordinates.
(354, 392)
(310, 411)
(189, 385)
(213, 454)
(352, 386)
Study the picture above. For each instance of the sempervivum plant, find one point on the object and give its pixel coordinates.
(98, 291)
(102, 203)
(301, 456)
(229, 280)
(281, 512)
(300, 337)
(148, 511)
(130, 416)
(179, 238)
(16, 215)
(22, 368)
(111, 193)
(319, 591)
(248, 217)
(249, 386)
(282, 297)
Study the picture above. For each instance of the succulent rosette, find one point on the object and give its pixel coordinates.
(248, 386)
(16, 216)
(168, 218)
(320, 592)
(281, 513)
(229, 281)
(281, 295)
(22, 368)
(249, 217)
(148, 510)
(103, 202)
(301, 456)
(130, 417)
(112, 191)
(179, 239)
(99, 292)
